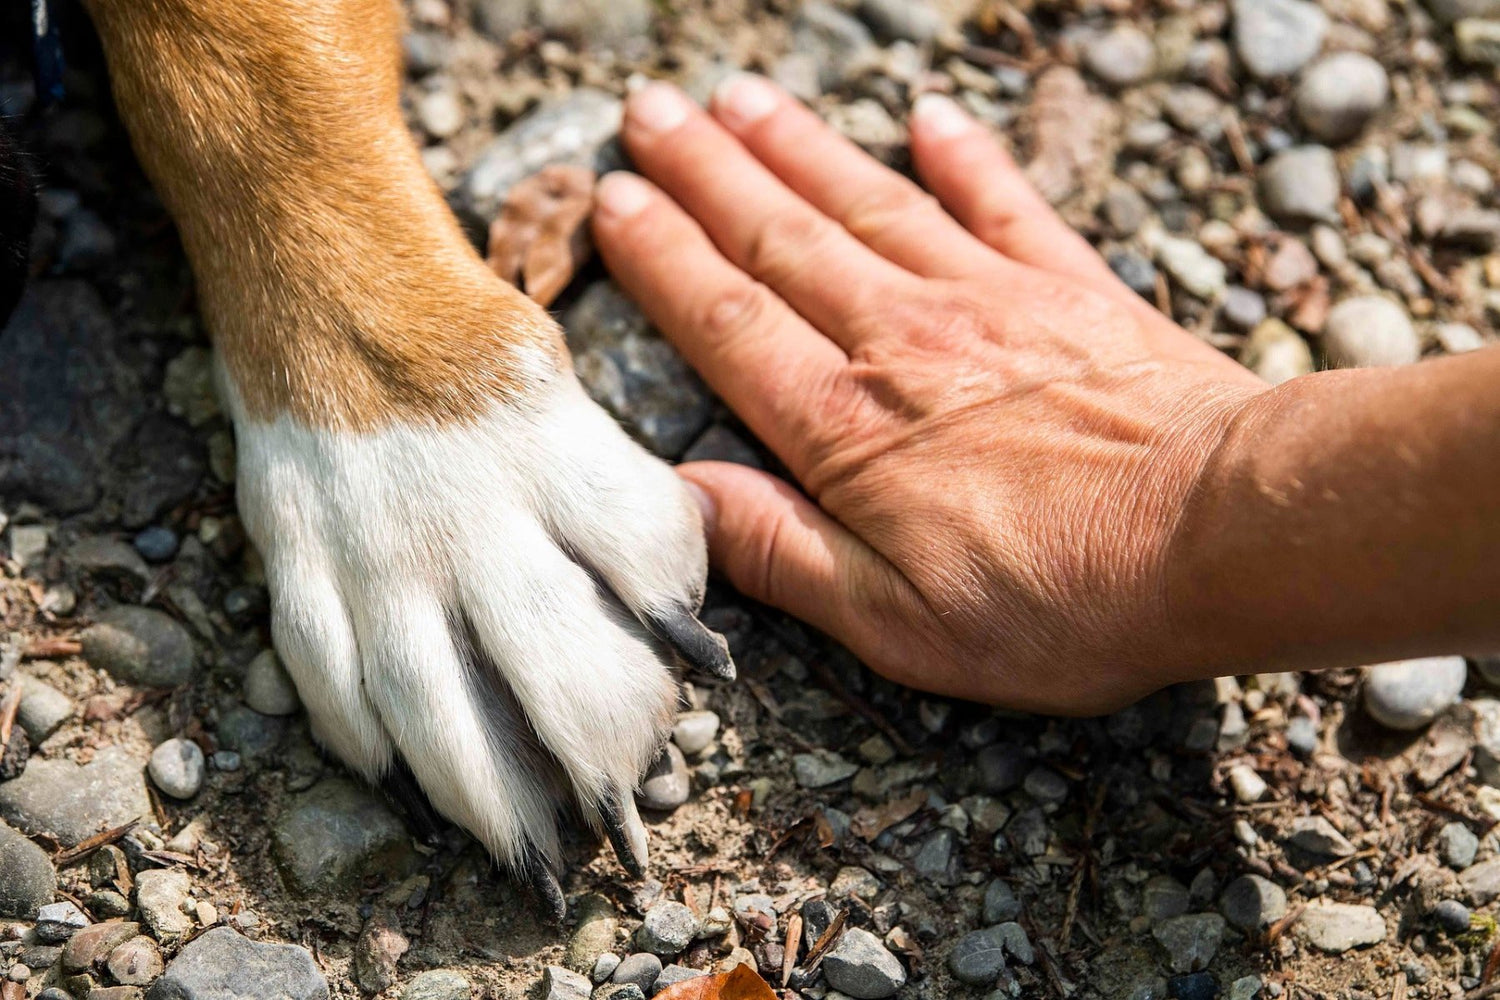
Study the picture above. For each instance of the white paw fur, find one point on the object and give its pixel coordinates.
(453, 594)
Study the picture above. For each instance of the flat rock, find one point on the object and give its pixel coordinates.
(1338, 927)
(335, 832)
(1316, 835)
(72, 803)
(224, 965)
(639, 970)
(94, 944)
(978, 957)
(861, 967)
(56, 922)
(671, 975)
(437, 984)
(821, 768)
(1481, 881)
(43, 709)
(27, 878)
(140, 646)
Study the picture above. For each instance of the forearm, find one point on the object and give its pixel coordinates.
(1349, 517)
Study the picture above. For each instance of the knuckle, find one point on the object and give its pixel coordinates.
(747, 305)
(782, 243)
(879, 210)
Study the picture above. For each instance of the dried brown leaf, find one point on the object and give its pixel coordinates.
(870, 823)
(740, 983)
(540, 238)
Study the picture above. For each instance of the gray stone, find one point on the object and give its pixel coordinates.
(1000, 903)
(335, 832)
(160, 894)
(1338, 927)
(860, 966)
(1122, 56)
(56, 922)
(1190, 940)
(620, 991)
(1478, 40)
(1316, 835)
(177, 767)
(1409, 694)
(978, 957)
(221, 964)
(268, 689)
(839, 45)
(137, 962)
(1045, 785)
(1163, 897)
(821, 768)
(27, 878)
(140, 646)
(1191, 266)
(1449, 11)
(43, 708)
(1302, 736)
(248, 732)
(576, 129)
(639, 970)
(1017, 944)
(903, 20)
(1339, 93)
(72, 803)
(1301, 184)
(1368, 331)
(1276, 352)
(671, 975)
(1252, 903)
(1246, 783)
(564, 984)
(667, 929)
(437, 984)
(595, 933)
(1275, 38)
(1242, 308)
(1481, 881)
(1002, 766)
(1452, 916)
(694, 731)
(935, 855)
(1457, 845)
(1134, 270)
(633, 373)
(1192, 109)
(667, 784)
(105, 559)
(605, 966)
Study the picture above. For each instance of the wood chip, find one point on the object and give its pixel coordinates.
(540, 238)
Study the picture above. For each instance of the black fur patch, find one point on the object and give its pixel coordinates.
(17, 219)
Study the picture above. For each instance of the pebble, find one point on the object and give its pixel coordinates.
(594, 935)
(821, 768)
(667, 929)
(1369, 331)
(841, 47)
(1000, 903)
(249, 732)
(978, 957)
(1409, 694)
(861, 967)
(1252, 903)
(1276, 38)
(27, 878)
(160, 895)
(604, 966)
(1338, 94)
(935, 855)
(1276, 352)
(1302, 736)
(1241, 307)
(335, 832)
(1291, 264)
(1192, 267)
(72, 803)
(1190, 941)
(56, 922)
(1338, 927)
(1248, 786)
(667, 784)
(1134, 270)
(1457, 845)
(671, 975)
(1163, 897)
(1301, 184)
(1478, 40)
(1192, 109)
(1193, 986)
(1481, 881)
(268, 688)
(137, 962)
(1316, 835)
(43, 709)
(177, 767)
(564, 984)
(640, 969)
(1452, 916)
(695, 731)
(140, 646)
(94, 943)
(902, 20)
(437, 984)
(222, 963)
(1449, 11)
(1122, 56)
(620, 991)
(1459, 338)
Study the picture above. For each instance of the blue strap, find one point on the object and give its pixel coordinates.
(47, 51)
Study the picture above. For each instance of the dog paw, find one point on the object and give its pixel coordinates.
(493, 605)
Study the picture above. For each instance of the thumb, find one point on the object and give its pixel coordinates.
(781, 549)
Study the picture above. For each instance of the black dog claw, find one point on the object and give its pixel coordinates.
(700, 648)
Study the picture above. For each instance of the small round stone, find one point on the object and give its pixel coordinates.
(1121, 57)
(667, 784)
(1251, 902)
(1243, 308)
(668, 928)
(1000, 903)
(640, 969)
(268, 688)
(1452, 916)
(156, 544)
(1302, 736)
(1339, 93)
(1301, 184)
(1369, 331)
(1411, 693)
(177, 768)
(694, 731)
(605, 966)
(1457, 846)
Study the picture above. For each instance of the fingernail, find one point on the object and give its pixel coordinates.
(744, 99)
(706, 506)
(940, 117)
(659, 107)
(621, 195)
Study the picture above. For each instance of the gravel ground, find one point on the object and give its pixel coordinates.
(1303, 185)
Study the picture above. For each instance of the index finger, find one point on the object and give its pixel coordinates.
(767, 362)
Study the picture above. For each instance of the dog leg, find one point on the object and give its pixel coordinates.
(474, 573)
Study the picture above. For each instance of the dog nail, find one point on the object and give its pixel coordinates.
(659, 107)
(545, 889)
(626, 832)
(699, 647)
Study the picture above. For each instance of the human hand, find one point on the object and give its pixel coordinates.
(997, 436)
